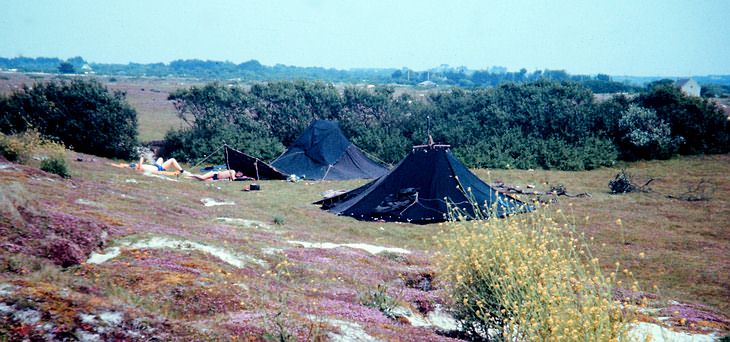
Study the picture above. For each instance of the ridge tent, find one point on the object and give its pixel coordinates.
(418, 188)
(322, 152)
(251, 166)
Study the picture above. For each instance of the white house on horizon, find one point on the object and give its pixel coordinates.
(688, 86)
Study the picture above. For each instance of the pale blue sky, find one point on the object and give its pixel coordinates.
(642, 38)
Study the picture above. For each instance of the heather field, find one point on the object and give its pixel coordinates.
(111, 254)
(117, 254)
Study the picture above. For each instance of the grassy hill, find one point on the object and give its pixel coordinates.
(167, 265)
(116, 254)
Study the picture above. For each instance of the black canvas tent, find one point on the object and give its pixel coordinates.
(251, 166)
(418, 188)
(322, 152)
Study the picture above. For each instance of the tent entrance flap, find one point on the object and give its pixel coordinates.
(251, 166)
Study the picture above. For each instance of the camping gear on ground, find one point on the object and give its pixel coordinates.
(251, 166)
(322, 152)
(252, 187)
(418, 189)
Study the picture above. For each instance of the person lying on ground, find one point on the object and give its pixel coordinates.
(220, 175)
(168, 165)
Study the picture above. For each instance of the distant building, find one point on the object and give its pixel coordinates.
(86, 69)
(688, 86)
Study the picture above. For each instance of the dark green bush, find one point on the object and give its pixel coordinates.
(82, 114)
(218, 115)
(543, 124)
(642, 135)
(699, 123)
(56, 165)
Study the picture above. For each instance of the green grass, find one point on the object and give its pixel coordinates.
(685, 244)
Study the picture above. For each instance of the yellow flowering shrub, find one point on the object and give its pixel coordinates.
(527, 277)
(22, 147)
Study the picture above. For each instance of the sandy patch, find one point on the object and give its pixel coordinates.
(349, 331)
(7, 289)
(210, 202)
(372, 249)
(436, 318)
(646, 331)
(244, 223)
(158, 242)
(89, 203)
(159, 176)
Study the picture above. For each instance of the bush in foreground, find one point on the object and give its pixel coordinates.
(528, 278)
(57, 165)
(84, 115)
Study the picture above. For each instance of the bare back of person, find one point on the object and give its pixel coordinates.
(218, 175)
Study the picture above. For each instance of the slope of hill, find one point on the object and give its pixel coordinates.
(114, 254)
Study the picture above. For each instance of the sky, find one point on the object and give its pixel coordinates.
(622, 37)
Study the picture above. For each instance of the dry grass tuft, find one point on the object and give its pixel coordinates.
(528, 277)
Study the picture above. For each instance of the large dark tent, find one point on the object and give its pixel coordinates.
(322, 152)
(418, 188)
(251, 166)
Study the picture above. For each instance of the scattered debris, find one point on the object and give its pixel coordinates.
(702, 191)
(555, 190)
(622, 183)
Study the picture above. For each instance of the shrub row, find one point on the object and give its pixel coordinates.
(541, 124)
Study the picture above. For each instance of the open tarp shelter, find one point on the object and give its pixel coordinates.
(251, 166)
(418, 189)
(322, 152)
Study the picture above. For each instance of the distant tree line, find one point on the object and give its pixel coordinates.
(539, 124)
(252, 70)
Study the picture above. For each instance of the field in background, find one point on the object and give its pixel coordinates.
(148, 96)
(685, 244)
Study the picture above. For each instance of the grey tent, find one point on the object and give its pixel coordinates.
(322, 152)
